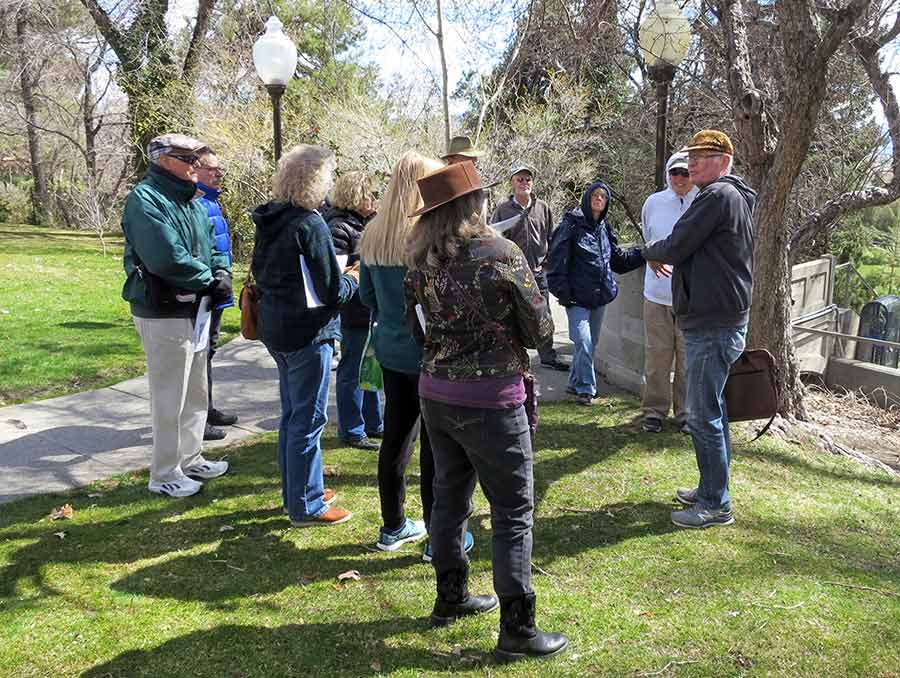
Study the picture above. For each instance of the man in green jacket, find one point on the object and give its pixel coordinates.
(171, 264)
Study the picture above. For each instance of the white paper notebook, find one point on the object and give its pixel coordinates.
(200, 339)
(312, 300)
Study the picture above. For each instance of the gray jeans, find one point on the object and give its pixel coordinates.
(495, 445)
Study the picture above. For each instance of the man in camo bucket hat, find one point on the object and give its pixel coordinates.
(711, 251)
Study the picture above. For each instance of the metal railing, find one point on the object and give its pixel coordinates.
(849, 264)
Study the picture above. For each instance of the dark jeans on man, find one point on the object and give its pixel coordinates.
(402, 424)
(214, 323)
(493, 446)
(546, 352)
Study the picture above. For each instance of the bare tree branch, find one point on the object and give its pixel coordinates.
(201, 25)
(124, 49)
(510, 63)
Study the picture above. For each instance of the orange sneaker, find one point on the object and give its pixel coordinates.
(328, 497)
(333, 516)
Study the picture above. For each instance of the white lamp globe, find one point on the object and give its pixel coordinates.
(274, 54)
(665, 35)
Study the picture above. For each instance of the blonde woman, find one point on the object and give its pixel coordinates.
(301, 339)
(353, 204)
(381, 289)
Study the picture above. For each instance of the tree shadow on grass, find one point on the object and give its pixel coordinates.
(258, 561)
(593, 442)
(339, 648)
(571, 534)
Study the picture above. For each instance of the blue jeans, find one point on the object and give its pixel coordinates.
(303, 382)
(358, 411)
(584, 331)
(708, 355)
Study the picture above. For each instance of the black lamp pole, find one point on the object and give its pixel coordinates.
(662, 74)
(275, 91)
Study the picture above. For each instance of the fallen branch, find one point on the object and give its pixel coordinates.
(572, 509)
(669, 666)
(781, 607)
(883, 592)
(542, 570)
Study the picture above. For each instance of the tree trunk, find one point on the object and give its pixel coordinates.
(445, 95)
(39, 197)
(770, 314)
(808, 43)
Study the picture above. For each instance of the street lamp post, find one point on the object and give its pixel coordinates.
(665, 38)
(275, 58)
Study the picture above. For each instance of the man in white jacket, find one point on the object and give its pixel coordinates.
(662, 340)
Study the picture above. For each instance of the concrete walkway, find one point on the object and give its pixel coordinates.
(63, 443)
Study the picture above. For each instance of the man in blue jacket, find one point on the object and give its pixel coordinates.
(711, 250)
(210, 174)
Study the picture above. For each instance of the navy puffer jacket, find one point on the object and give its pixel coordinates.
(583, 255)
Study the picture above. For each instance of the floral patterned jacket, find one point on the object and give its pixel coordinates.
(481, 311)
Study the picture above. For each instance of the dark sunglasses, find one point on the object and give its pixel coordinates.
(679, 172)
(193, 160)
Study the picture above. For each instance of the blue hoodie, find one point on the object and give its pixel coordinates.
(583, 255)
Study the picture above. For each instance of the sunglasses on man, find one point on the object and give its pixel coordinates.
(192, 160)
(679, 172)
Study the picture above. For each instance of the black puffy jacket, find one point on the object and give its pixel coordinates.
(346, 230)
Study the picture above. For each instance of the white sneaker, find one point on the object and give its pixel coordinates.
(176, 488)
(206, 469)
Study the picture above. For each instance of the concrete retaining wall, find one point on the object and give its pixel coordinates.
(812, 287)
(880, 383)
(619, 358)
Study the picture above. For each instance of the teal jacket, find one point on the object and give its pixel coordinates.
(169, 232)
(381, 289)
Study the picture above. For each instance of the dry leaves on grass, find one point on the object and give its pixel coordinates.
(348, 575)
(64, 512)
(854, 420)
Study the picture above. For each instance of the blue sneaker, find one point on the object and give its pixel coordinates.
(468, 543)
(391, 540)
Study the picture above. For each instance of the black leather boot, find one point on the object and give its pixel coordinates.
(519, 637)
(453, 599)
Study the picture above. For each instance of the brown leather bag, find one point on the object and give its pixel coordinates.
(249, 305)
(751, 392)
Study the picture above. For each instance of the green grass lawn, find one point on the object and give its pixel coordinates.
(806, 583)
(64, 326)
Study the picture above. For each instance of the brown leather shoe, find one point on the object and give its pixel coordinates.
(333, 516)
(328, 497)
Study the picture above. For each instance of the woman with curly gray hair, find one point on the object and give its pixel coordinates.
(298, 326)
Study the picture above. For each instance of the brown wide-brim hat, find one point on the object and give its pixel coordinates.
(710, 140)
(447, 184)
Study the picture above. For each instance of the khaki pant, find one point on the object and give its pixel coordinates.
(178, 394)
(662, 344)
